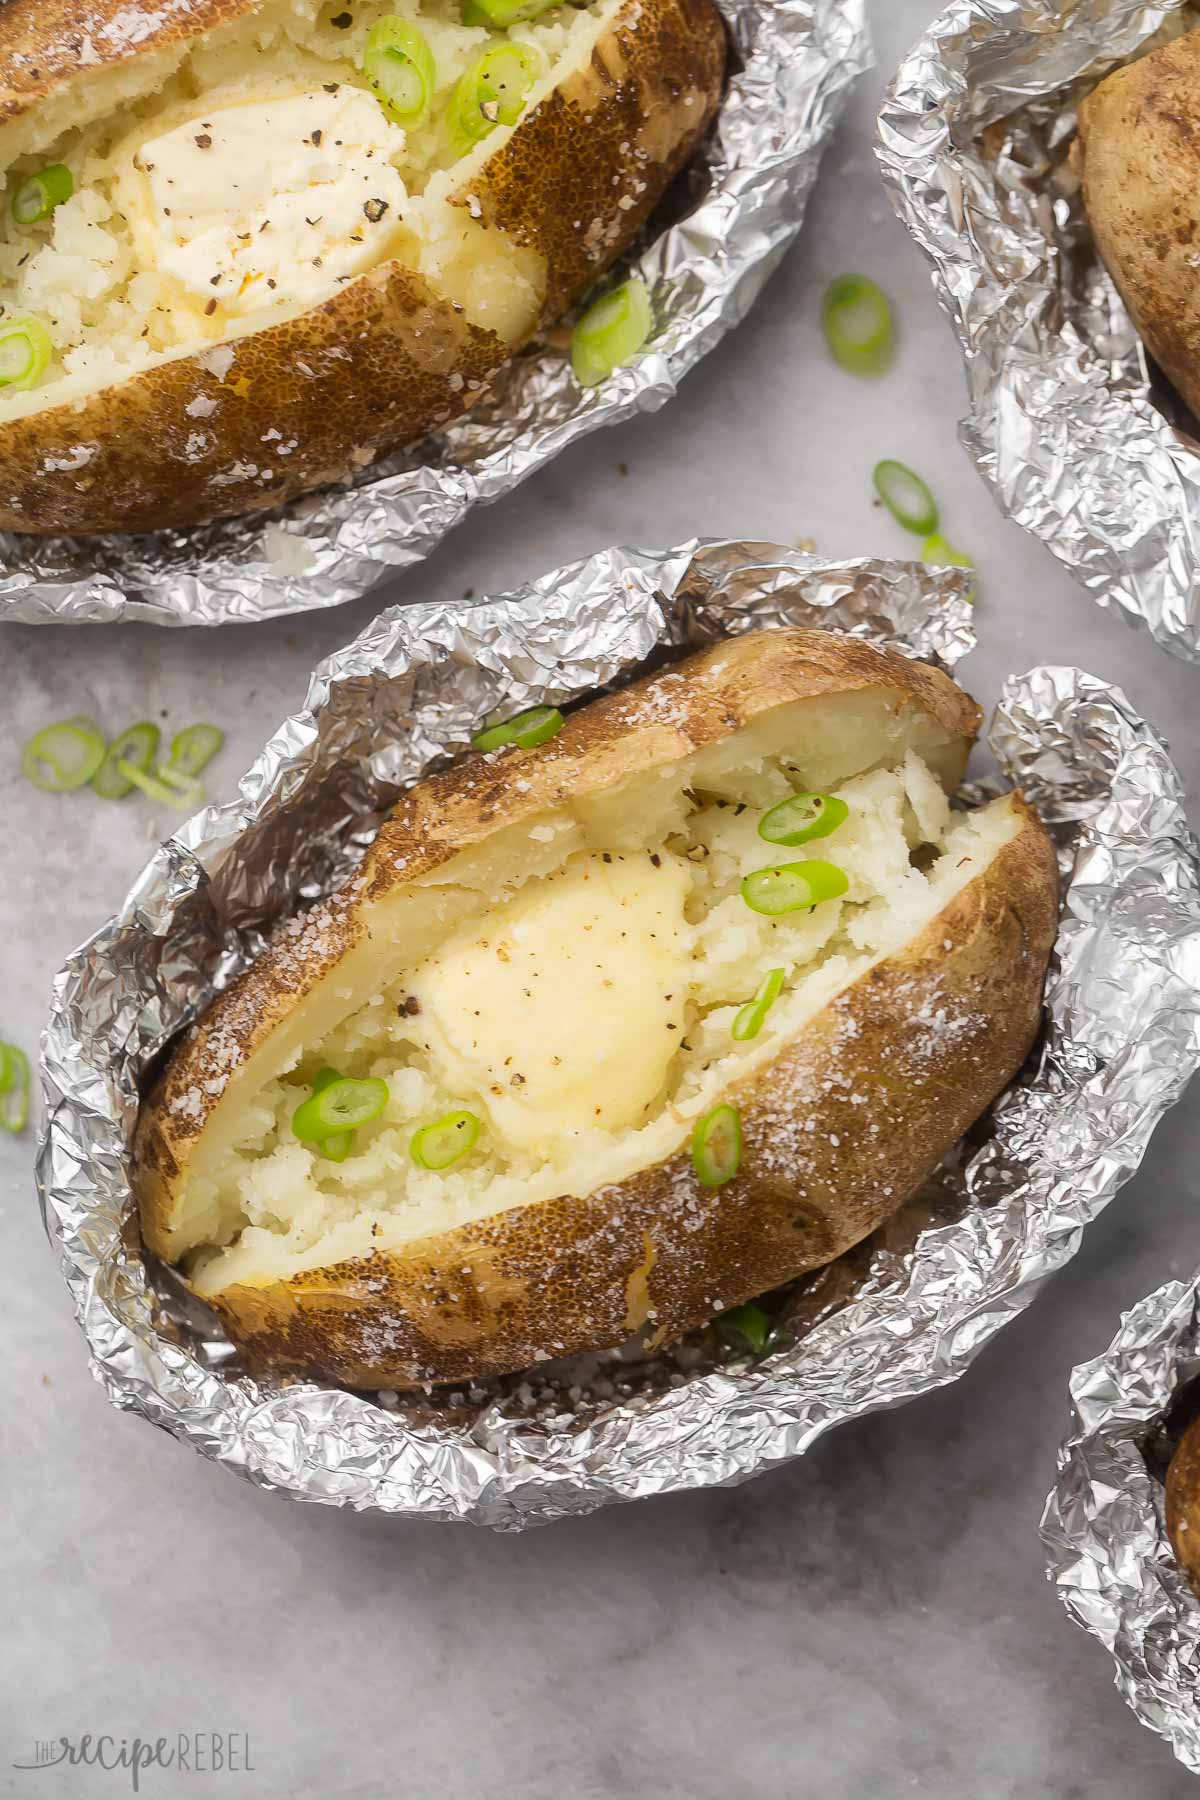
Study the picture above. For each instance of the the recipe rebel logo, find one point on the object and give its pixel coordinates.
(186, 1752)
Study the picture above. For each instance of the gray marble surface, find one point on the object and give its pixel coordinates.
(870, 1622)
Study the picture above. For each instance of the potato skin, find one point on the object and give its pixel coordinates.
(892, 1092)
(1138, 151)
(1183, 1503)
(386, 360)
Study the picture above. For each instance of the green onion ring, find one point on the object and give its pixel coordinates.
(341, 1105)
(611, 332)
(446, 1141)
(498, 15)
(749, 1021)
(39, 195)
(337, 1146)
(14, 1088)
(936, 550)
(787, 887)
(525, 730)
(164, 787)
(65, 756)
(857, 321)
(138, 745)
(193, 748)
(906, 497)
(26, 352)
(802, 817)
(492, 92)
(717, 1146)
(399, 65)
(745, 1329)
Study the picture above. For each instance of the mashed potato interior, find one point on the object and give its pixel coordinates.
(248, 178)
(581, 1007)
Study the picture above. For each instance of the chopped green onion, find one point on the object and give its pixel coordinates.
(165, 788)
(745, 1329)
(38, 197)
(857, 321)
(340, 1106)
(803, 817)
(26, 351)
(325, 1078)
(498, 15)
(749, 1021)
(64, 757)
(14, 1088)
(906, 497)
(787, 887)
(536, 725)
(192, 749)
(492, 92)
(936, 550)
(138, 745)
(717, 1146)
(399, 65)
(446, 1141)
(611, 332)
(337, 1146)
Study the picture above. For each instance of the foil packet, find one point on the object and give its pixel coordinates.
(734, 212)
(1104, 1529)
(904, 1313)
(1079, 439)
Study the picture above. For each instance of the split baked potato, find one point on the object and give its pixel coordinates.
(249, 245)
(638, 1056)
(1138, 153)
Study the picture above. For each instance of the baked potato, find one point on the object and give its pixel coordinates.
(1138, 154)
(1183, 1503)
(249, 245)
(633, 1063)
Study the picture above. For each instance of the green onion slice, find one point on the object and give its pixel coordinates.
(14, 1088)
(42, 193)
(787, 887)
(337, 1146)
(745, 1329)
(492, 92)
(163, 787)
(446, 1141)
(137, 745)
(611, 332)
(536, 725)
(65, 756)
(717, 1146)
(193, 748)
(936, 550)
(906, 497)
(498, 15)
(749, 1021)
(803, 817)
(342, 1105)
(26, 351)
(857, 321)
(399, 65)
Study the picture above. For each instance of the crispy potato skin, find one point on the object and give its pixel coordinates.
(895, 1069)
(1138, 151)
(1183, 1503)
(386, 360)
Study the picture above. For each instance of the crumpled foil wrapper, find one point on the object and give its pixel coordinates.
(1079, 439)
(1104, 1529)
(748, 190)
(904, 1313)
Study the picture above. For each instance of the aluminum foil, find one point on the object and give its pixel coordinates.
(1103, 1528)
(1078, 439)
(798, 59)
(904, 1314)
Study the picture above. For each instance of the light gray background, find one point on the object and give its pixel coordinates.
(872, 1621)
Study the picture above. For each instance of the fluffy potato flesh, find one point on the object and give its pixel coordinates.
(245, 179)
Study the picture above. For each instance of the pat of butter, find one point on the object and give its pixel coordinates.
(563, 1011)
(266, 201)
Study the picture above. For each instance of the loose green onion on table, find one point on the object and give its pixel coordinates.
(14, 1088)
(399, 65)
(936, 550)
(192, 749)
(611, 332)
(745, 1329)
(65, 756)
(137, 746)
(162, 787)
(446, 1141)
(750, 1018)
(857, 321)
(41, 194)
(787, 887)
(526, 730)
(492, 92)
(717, 1146)
(26, 351)
(802, 817)
(906, 497)
(342, 1105)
